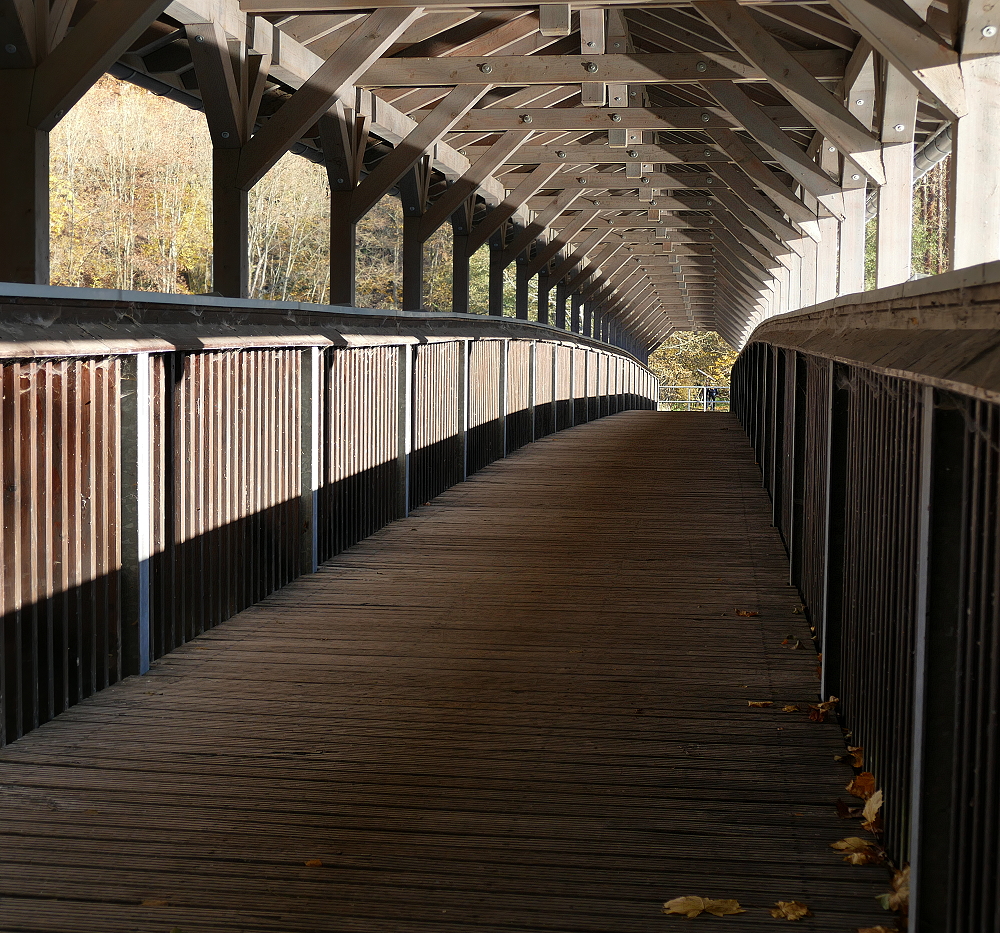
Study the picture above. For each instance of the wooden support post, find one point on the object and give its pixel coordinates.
(975, 161)
(496, 275)
(561, 305)
(543, 297)
(343, 136)
(861, 102)
(894, 239)
(413, 190)
(230, 227)
(807, 281)
(588, 319)
(829, 232)
(521, 288)
(24, 186)
(461, 224)
(343, 250)
(575, 320)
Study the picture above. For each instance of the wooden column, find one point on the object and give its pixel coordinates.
(543, 297)
(24, 186)
(975, 160)
(413, 195)
(461, 224)
(860, 102)
(230, 227)
(561, 304)
(521, 293)
(575, 319)
(343, 250)
(829, 231)
(894, 238)
(496, 275)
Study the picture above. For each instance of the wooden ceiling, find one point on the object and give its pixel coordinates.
(669, 160)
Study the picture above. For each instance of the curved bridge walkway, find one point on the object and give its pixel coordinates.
(525, 708)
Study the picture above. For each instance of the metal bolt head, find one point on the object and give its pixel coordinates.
(590, 67)
(597, 203)
(224, 135)
(644, 180)
(989, 32)
(616, 118)
(486, 68)
(560, 153)
(618, 100)
(706, 117)
(581, 181)
(899, 127)
(340, 181)
(631, 93)
(10, 48)
(591, 44)
(707, 153)
(632, 154)
(831, 148)
(525, 117)
(860, 102)
(412, 209)
(701, 66)
(855, 177)
(710, 203)
(652, 203)
(199, 38)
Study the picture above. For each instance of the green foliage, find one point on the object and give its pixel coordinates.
(693, 358)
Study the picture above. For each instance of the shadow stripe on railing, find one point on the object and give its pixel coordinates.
(876, 423)
(165, 467)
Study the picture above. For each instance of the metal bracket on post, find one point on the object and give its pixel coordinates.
(404, 426)
(311, 467)
(136, 517)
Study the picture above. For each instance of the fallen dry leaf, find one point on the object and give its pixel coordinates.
(691, 907)
(857, 754)
(862, 786)
(847, 813)
(314, 863)
(790, 910)
(857, 851)
(155, 902)
(760, 704)
(788, 639)
(899, 897)
(798, 610)
(869, 814)
(747, 613)
(791, 709)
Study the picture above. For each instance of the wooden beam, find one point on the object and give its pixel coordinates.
(101, 37)
(814, 101)
(495, 218)
(465, 186)
(562, 239)
(413, 147)
(917, 51)
(540, 222)
(604, 181)
(792, 158)
(587, 119)
(319, 93)
(573, 154)
(554, 19)
(521, 70)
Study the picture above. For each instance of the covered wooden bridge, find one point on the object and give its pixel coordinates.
(318, 617)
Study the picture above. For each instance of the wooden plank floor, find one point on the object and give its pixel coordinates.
(524, 708)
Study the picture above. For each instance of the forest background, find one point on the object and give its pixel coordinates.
(131, 208)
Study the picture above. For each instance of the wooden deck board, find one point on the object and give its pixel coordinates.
(524, 707)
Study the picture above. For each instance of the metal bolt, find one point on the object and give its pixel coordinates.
(831, 148)
(860, 102)
(710, 203)
(486, 68)
(199, 38)
(597, 203)
(652, 203)
(701, 66)
(525, 117)
(632, 154)
(591, 44)
(581, 181)
(705, 117)
(340, 181)
(899, 127)
(618, 45)
(224, 135)
(644, 180)
(618, 100)
(855, 178)
(590, 67)
(616, 118)
(707, 153)
(631, 93)
(560, 153)
(412, 210)
(989, 32)
(10, 47)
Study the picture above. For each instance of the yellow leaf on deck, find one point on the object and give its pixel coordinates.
(747, 613)
(791, 709)
(857, 851)
(870, 812)
(790, 910)
(314, 863)
(857, 754)
(760, 704)
(692, 907)
(155, 902)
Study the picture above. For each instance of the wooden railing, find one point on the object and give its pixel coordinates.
(168, 463)
(876, 423)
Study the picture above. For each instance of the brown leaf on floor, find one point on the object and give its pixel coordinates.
(872, 821)
(847, 813)
(691, 907)
(788, 639)
(857, 851)
(314, 863)
(790, 910)
(862, 786)
(791, 708)
(857, 754)
(155, 902)
(759, 704)
(899, 897)
(798, 610)
(747, 613)
(819, 711)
